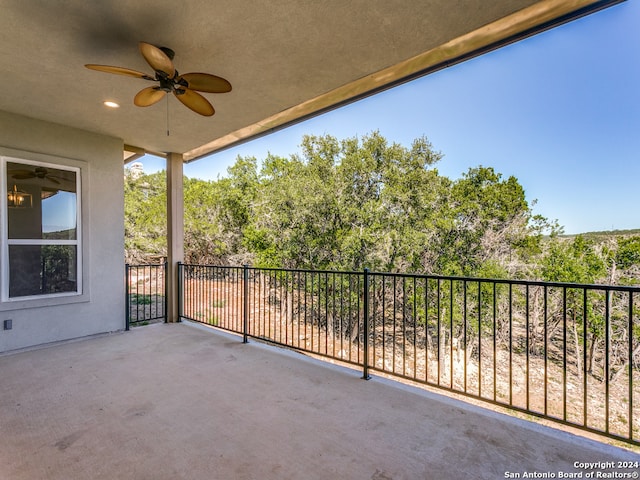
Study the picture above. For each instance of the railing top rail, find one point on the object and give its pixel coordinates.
(275, 269)
(539, 283)
(138, 265)
(503, 281)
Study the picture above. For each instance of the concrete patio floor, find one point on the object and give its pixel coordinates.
(181, 402)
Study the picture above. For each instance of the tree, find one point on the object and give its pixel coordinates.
(145, 216)
(347, 205)
(582, 261)
(488, 222)
(217, 214)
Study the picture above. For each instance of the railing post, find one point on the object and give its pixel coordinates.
(127, 297)
(365, 372)
(245, 296)
(180, 290)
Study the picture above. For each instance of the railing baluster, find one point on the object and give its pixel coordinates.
(546, 352)
(564, 354)
(451, 334)
(415, 329)
(180, 285)
(438, 311)
(245, 310)
(607, 372)
(127, 298)
(495, 345)
(510, 344)
(383, 318)
(393, 317)
(526, 327)
(426, 329)
(404, 326)
(268, 303)
(365, 374)
(165, 290)
(359, 335)
(312, 311)
(630, 358)
(479, 339)
(465, 321)
(584, 359)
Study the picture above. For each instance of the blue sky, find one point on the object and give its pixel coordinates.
(559, 111)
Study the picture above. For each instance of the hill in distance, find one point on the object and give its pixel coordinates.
(605, 233)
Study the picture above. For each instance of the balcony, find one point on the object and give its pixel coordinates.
(187, 401)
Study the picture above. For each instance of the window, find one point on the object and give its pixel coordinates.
(41, 234)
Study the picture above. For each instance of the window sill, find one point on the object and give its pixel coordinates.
(49, 301)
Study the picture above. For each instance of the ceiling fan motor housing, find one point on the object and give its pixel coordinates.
(168, 52)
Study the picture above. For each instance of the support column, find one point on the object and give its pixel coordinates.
(175, 231)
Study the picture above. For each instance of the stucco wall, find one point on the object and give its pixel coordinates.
(101, 306)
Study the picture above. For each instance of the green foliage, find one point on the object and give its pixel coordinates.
(628, 252)
(345, 205)
(366, 202)
(488, 220)
(577, 261)
(140, 299)
(145, 200)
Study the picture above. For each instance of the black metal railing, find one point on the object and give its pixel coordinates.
(565, 352)
(146, 294)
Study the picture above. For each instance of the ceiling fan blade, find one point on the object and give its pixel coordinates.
(51, 179)
(23, 176)
(205, 82)
(195, 102)
(158, 60)
(148, 96)
(119, 71)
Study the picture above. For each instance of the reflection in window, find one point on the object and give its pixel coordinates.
(42, 269)
(59, 216)
(52, 212)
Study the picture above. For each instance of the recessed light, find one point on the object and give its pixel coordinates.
(111, 104)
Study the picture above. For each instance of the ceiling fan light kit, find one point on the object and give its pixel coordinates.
(184, 87)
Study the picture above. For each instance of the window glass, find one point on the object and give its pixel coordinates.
(41, 202)
(42, 269)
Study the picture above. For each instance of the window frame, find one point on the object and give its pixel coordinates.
(6, 242)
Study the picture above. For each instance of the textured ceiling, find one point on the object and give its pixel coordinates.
(286, 59)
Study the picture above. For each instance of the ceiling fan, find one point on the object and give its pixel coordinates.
(185, 87)
(39, 172)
